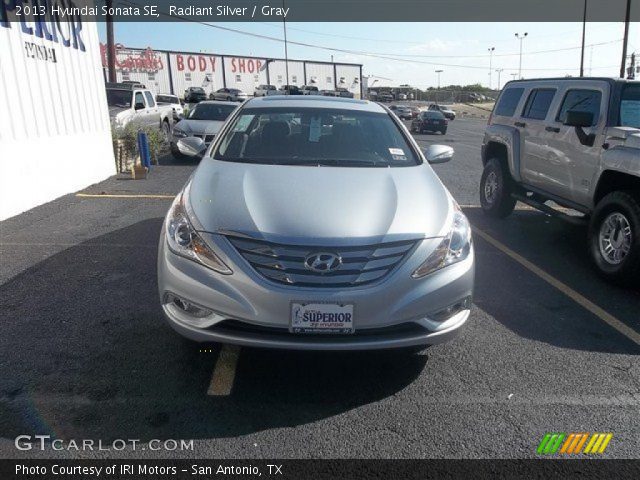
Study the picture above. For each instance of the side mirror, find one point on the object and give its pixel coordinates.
(192, 146)
(578, 119)
(139, 106)
(438, 154)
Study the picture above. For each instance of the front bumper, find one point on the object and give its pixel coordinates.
(253, 311)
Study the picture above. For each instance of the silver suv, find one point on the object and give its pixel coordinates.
(315, 223)
(575, 142)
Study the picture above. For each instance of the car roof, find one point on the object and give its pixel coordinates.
(610, 80)
(314, 101)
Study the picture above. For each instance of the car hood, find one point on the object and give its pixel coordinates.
(319, 205)
(114, 111)
(199, 127)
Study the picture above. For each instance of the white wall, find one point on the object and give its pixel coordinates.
(348, 77)
(278, 73)
(245, 73)
(145, 66)
(191, 70)
(54, 126)
(322, 73)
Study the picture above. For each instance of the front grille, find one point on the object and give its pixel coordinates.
(286, 263)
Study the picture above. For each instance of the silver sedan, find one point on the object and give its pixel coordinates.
(203, 121)
(315, 223)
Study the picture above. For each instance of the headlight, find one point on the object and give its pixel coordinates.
(183, 239)
(454, 248)
(179, 133)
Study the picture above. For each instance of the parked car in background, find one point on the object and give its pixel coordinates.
(229, 95)
(402, 111)
(446, 111)
(265, 90)
(415, 111)
(328, 93)
(310, 90)
(202, 121)
(370, 251)
(430, 121)
(343, 92)
(194, 95)
(401, 96)
(174, 102)
(385, 97)
(129, 103)
(289, 90)
(574, 142)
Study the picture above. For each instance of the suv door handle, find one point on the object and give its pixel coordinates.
(520, 124)
(553, 129)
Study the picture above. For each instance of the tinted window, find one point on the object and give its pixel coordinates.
(150, 101)
(538, 103)
(508, 101)
(167, 99)
(433, 114)
(630, 106)
(119, 98)
(139, 98)
(309, 136)
(581, 101)
(211, 111)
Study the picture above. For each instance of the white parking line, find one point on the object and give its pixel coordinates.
(224, 372)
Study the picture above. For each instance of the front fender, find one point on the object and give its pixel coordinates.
(510, 138)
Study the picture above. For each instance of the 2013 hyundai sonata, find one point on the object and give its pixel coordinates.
(315, 223)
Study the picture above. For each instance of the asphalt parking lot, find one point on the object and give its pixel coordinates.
(85, 352)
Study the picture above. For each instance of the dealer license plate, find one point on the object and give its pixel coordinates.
(321, 318)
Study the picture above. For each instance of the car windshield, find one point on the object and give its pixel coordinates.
(433, 114)
(310, 136)
(211, 111)
(630, 106)
(197, 90)
(119, 98)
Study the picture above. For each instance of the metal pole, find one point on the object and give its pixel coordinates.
(521, 38)
(111, 49)
(584, 27)
(438, 91)
(626, 39)
(499, 70)
(490, 64)
(286, 55)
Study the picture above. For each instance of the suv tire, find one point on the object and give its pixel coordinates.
(614, 237)
(495, 190)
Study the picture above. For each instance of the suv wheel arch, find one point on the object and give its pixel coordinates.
(611, 181)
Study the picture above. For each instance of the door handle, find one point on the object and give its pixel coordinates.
(520, 124)
(553, 129)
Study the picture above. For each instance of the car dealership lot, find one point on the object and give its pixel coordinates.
(549, 347)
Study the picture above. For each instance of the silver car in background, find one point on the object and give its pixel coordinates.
(202, 121)
(315, 223)
(229, 94)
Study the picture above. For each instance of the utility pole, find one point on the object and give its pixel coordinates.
(521, 38)
(499, 70)
(111, 49)
(626, 39)
(286, 55)
(438, 91)
(584, 29)
(490, 64)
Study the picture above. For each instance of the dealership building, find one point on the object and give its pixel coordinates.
(164, 71)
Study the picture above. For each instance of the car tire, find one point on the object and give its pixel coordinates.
(443, 131)
(166, 131)
(495, 190)
(614, 238)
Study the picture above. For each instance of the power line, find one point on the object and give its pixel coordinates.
(393, 57)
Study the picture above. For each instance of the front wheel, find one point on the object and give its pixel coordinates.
(614, 237)
(495, 190)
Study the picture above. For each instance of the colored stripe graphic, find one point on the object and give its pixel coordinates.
(572, 443)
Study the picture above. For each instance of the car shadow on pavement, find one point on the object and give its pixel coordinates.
(170, 160)
(86, 353)
(530, 306)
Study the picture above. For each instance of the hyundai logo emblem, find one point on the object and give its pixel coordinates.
(322, 262)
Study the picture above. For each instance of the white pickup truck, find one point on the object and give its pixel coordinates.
(130, 102)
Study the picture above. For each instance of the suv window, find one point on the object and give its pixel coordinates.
(581, 101)
(538, 103)
(509, 102)
(150, 101)
(630, 106)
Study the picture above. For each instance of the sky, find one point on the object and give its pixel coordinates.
(412, 51)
